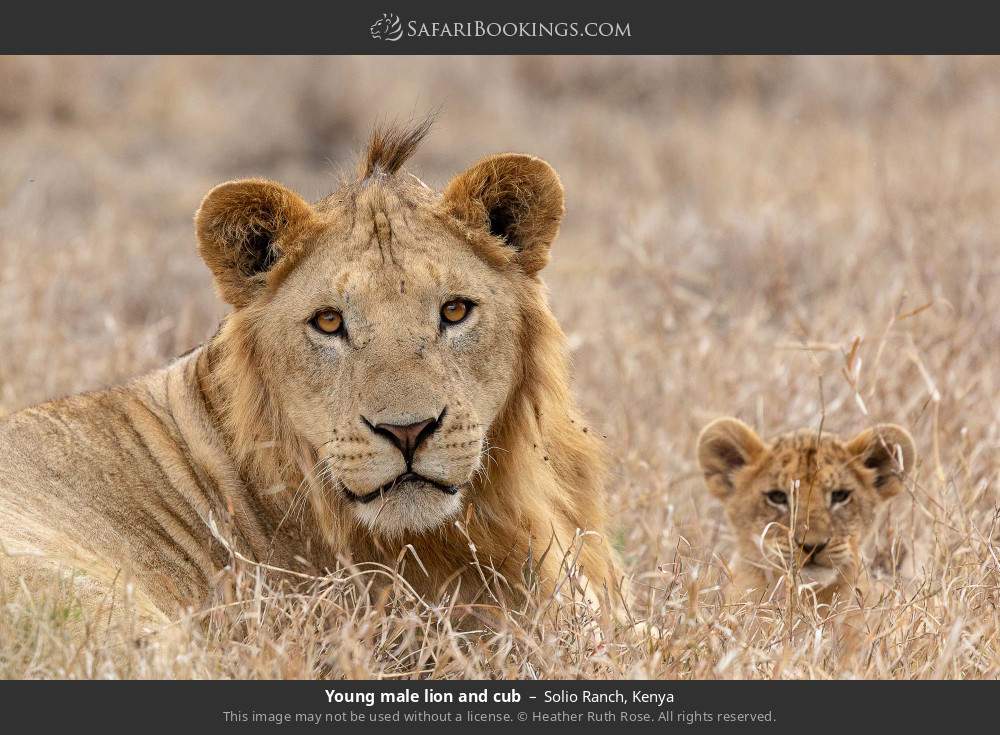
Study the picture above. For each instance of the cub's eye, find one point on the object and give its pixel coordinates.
(328, 321)
(455, 311)
(778, 497)
(839, 496)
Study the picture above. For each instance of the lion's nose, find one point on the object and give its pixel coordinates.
(407, 438)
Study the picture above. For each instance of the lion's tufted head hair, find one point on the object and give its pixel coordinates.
(392, 349)
(804, 501)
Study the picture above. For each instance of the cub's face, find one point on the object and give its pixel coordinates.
(804, 502)
(385, 322)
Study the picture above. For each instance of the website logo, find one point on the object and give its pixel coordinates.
(387, 28)
(390, 28)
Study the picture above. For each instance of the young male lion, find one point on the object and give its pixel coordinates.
(801, 505)
(390, 379)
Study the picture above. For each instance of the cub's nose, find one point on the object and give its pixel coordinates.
(407, 438)
(814, 549)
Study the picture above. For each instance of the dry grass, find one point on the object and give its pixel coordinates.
(735, 227)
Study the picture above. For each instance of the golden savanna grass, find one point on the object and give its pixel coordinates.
(800, 242)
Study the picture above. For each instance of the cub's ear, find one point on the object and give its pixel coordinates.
(724, 446)
(242, 227)
(517, 198)
(889, 451)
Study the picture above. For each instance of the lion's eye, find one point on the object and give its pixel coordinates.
(778, 497)
(455, 311)
(839, 496)
(328, 321)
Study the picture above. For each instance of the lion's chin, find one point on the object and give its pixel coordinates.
(411, 507)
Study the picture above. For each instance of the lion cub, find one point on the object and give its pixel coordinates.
(802, 504)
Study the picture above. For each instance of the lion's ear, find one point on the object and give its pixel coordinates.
(725, 446)
(241, 227)
(889, 451)
(517, 198)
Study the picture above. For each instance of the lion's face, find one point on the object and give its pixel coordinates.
(804, 502)
(386, 324)
(399, 395)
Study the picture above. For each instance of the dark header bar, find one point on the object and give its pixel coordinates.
(513, 27)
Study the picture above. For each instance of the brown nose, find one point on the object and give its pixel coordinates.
(406, 437)
(814, 549)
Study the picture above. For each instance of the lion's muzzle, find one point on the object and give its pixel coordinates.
(403, 475)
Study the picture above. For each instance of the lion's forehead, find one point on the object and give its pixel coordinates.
(406, 263)
(403, 276)
(381, 243)
(366, 215)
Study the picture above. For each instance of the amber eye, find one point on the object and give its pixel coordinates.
(455, 311)
(778, 497)
(839, 496)
(328, 321)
